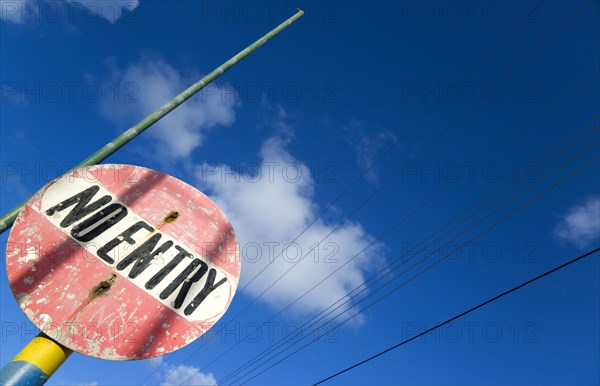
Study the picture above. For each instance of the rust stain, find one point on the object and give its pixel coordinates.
(169, 219)
(102, 288)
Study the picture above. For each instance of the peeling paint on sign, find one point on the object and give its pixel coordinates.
(122, 262)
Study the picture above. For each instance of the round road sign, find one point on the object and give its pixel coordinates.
(122, 262)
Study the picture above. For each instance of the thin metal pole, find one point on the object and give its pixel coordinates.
(34, 365)
(8, 218)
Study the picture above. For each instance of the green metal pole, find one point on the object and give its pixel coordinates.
(8, 218)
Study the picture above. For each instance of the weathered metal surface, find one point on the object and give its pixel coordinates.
(8, 218)
(122, 262)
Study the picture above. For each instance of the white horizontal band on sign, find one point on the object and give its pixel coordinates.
(189, 271)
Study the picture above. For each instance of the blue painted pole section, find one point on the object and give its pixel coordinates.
(22, 373)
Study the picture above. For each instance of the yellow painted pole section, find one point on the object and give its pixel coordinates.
(44, 353)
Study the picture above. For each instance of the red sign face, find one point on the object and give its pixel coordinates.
(122, 262)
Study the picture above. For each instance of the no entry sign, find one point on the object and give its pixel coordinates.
(122, 262)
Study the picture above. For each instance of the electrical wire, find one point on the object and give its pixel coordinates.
(393, 227)
(458, 316)
(440, 134)
(411, 128)
(407, 132)
(562, 180)
(388, 268)
(454, 251)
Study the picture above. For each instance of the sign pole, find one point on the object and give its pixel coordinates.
(8, 218)
(34, 365)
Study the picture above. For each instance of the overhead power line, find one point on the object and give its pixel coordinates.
(561, 26)
(458, 316)
(390, 268)
(453, 123)
(393, 290)
(381, 156)
(410, 129)
(438, 136)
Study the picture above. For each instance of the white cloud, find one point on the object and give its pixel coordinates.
(268, 209)
(145, 86)
(37, 11)
(581, 225)
(368, 142)
(187, 375)
(181, 375)
(153, 363)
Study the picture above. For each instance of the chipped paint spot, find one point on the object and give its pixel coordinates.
(46, 319)
(93, 347)
(28, 280)
(15, 252)
(23, 298)
(31, 255)
(109, 353)
(159, 259)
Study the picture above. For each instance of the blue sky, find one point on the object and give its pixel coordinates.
(287, 132)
